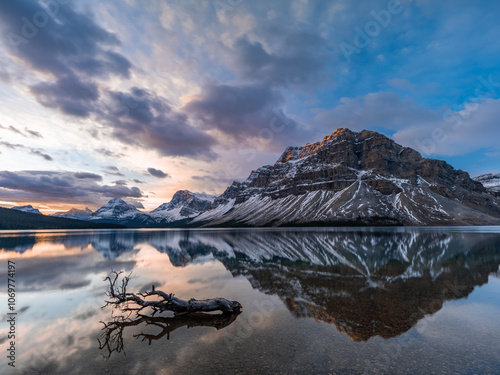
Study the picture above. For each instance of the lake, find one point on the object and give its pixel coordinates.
(315, 301)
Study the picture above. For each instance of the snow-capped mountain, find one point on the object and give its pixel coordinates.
(349, 178)
(75, 213)
(490, 181)
(354, 178)
(119, 212)
(184, 205)
(28, 208)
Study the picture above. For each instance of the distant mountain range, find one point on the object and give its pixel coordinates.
(12, 219)
(183, 207)
(349, 178)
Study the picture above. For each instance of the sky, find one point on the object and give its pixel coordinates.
(136, 100)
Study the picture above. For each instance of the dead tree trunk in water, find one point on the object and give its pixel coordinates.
(120, 298)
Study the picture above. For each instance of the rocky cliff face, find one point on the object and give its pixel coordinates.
(349, 176)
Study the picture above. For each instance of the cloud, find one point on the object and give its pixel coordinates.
(64, 43)
(299, 59)
(40, 153)
(4, 76)
(31, 150)
(111, 170)
(61, 187)
(89, 175)
(67, 46)
(244, 112)
(120, 182)
(157, 173)
(144, 119)
(76, 56)
(104, 151)
(68, 94)
(11, 128)
(32, 133)
(456, 132)
(382, 109)
(441, 131)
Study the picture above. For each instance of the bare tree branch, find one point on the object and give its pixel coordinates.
(120, 298)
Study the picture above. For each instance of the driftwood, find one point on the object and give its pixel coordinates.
(111, 339)
(120, 298)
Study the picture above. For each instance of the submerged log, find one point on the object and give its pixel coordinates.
(120, 298)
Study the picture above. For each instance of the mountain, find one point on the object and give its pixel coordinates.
(119, 212)
(29, 209)
(75, 213)
(491, 182)
(356, 179)
(15, 219)
(184, 205)
(349, 178)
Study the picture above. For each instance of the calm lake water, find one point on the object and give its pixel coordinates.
(315, 301)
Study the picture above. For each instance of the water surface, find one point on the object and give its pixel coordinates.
(340, 300)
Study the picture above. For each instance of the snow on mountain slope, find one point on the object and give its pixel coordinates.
(75, 213)
(118, 211)
(184, 205)
(28, 208)
(350, 177)
(490, 181)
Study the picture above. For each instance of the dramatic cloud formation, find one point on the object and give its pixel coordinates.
(76, 51)
(66, 44)
(48, 186)
(211, 92)
(145, 119)
(245, 112)
(300, 60)
(54, 38)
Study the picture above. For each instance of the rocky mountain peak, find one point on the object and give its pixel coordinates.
(184, 204)
(182, 196)
(116, 206)
(77, 211)
(355, 176)
(299, 152)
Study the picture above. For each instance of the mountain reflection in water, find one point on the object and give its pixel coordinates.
(377, 282)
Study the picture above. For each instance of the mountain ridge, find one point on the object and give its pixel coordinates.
(347, 178)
